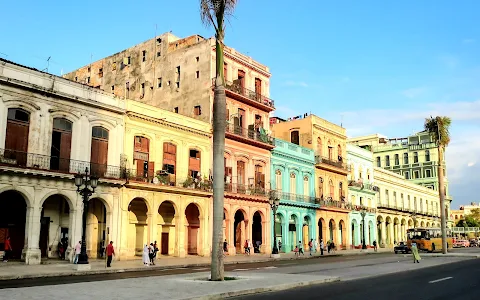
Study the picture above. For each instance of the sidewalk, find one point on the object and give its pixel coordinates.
(51, 268)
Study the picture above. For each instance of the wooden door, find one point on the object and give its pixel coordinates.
(16, 141)
(99, 156)
(258, 87)
(43, 242)
(192, 240)
(65, 149)
(164, 250)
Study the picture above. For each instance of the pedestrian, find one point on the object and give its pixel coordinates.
(300, 248)
(315, 245)
(225, 247)
(78, 249)
(329, 247)
(155, 250)
(151, 251)
(296, 251)
(250, 247)
(310, 247)
(110, 251)
(7, 249)
(322, 246)
(279, 245)
(375, 246)
(146, 259)
(332, 247)
(416, 256)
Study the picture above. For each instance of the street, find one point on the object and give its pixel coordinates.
(458, 280)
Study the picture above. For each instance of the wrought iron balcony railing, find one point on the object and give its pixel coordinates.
(361, 208)
(250, 134)
(237, 88)
(19, 159)
(246, 189)
(164, 179)
(330, 202)
(428, 213)
(326, 160)
(363, 186)
(295, 197)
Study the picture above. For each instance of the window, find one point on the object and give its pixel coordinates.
(306, 186)
(320, 187)
(415, 157)
(416, 174)
(194, 163)
(330, 186)
(114, 66)
(387, 197)
(175, 110)
(159, 82)
(100, 133)
(197, 58)
(319, 146)
(177, 71)
(405, 158)
(408, 202)
(259, 177)
(402, 200)
(407, 175)
(144, 55)
(99, 151)
(18, 114)
(427, 155)
(258, 87)
(394, 198)
(143, 89)
(129, 60)
(141, 151)
(159, 53)
(241, 173)
(241, 79)
(361, 201)
(88, 79)
(113, 88)
(17, 135)
(278, 180)
(62, 124)
(293, 183)
(397, 160)
(428, 173)
(100, 72)
(197, 74)
(197, 110)
(379, 162)
(340, 190)
(340, 154)
(168, 83)
(169, 158)
(294, 137)
(387, 161)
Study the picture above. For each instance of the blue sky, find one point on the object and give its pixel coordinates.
(379, 67)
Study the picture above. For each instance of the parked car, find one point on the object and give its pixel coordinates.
(461, 244)
(401, 248)
(474, 243)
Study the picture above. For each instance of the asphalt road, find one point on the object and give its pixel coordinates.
(19, 283)
(460, 280)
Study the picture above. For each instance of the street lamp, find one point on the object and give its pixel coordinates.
(83, 183)
(363, 212)
(274, 203)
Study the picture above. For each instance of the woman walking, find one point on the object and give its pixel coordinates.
(146, 259)
(416, 256)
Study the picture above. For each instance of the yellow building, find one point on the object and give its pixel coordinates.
(329, 143)
(401, 205)
(167, 197)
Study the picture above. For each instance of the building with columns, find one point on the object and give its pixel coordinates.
(363, 195)
(402, 204)
(328, 141)
(293, 174)
(50, 129)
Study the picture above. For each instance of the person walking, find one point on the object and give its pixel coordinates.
(279, 245)
(151, 251)
(145, 258)
(375, 246)
(322, 246)
(78, 249)
(310, 247)
(250, 247)
(416, 256)
(155, 250)
(110, 251)
(300, 248)
(246, 248)
(7, 249)
(315, 246)
(225, 248)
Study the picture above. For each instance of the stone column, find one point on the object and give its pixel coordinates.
(180, 236)
(383, 227)
(202, 242)
(152, 230)
(31, 251)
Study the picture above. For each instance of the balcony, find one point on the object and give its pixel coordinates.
(249, 136)
(407, 210)
(44, 163)
(283, 196)
(168, 182)
(236, 91)
(358, 184)
(335, 204)
(337, 166)
(361, 208)
(246, 189)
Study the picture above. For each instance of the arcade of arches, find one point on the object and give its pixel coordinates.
(297, 228)
(392, 229)
(333, 227)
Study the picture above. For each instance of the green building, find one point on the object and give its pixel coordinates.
(415, 157)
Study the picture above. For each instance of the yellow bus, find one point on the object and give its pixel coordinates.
(428, 239)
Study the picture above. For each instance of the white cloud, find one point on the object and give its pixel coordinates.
(471, 164)
(468, 41)
(413, 92)
(296, 83)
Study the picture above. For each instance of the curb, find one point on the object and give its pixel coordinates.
(139, 269)
(275, 288)
(473, 255)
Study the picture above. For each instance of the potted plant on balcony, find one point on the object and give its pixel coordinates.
(189, 182)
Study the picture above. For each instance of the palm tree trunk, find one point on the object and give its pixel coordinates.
(219, 126)
(441, 191)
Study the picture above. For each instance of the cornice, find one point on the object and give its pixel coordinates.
(321, 128)
(291, 157)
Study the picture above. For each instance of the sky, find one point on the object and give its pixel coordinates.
(373, 66)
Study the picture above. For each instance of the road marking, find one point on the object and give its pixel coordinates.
(241, 270)
(270, 267)
(441, 279)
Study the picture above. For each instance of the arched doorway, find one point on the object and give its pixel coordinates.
(320, 229)
(137, 231)
(12, 221)
(343, 236)
(331, 231)
(257, 231)
(239, 230)
(192, 213)
(306, 232)
(279, 232)
(292, 232)
(96, 229)
(166, 228)
(54, 227)
(355, 232)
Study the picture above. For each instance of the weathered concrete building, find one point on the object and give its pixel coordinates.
(50, 129)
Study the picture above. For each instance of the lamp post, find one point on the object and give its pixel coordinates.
(84, 182)
(274, 203)
(363, 212)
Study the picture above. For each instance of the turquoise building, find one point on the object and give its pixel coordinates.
(362, 195)
(292, 179)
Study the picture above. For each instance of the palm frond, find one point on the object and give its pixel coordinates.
(212, 12)
(439, 128)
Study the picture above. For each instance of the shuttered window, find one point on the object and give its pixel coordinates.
(16, 140)
(194, 163)
(61, 145)
(169, 157)
(99, 154)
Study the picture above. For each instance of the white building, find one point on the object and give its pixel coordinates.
(50, 129)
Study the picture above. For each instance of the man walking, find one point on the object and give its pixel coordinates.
(7, 249)
(110, 252)
(310, 246)
(78, 248)
(322, 246)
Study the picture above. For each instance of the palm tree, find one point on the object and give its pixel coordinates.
(438, 127)
(212, 13)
